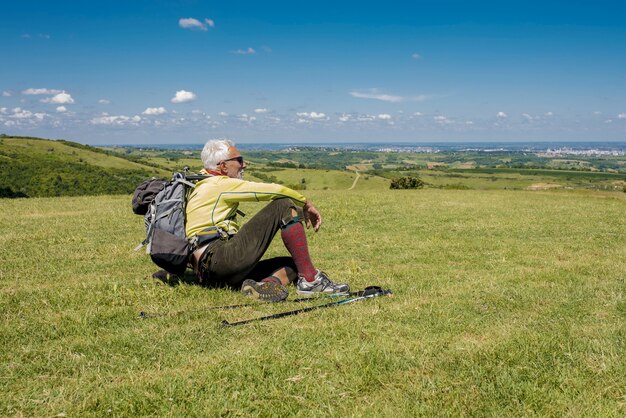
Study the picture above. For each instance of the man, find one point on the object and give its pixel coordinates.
(229, 254)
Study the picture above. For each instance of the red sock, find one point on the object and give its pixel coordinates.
(295, 240)
(273, 279)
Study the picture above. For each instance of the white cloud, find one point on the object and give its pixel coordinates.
(3, 110)
(61, 98)
(418, 114)
(344, 118)
(104, 101)
(441, 120)
(549, 114)
(195, 24)
(248, 51)
(365, 118)
(27, 115)
(262, 110)
(374, 94)
(61, 109)
(312, 115)
(244, 117)
(20, 113)
(502, 115)
(416, 56)
(32, 91)
(222, 114)
(115, 120)
(384, 116)
(183, 96)
(6, 94)
(154, 111)
(621, 116)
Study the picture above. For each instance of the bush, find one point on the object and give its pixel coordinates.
(10, 193)
(407, 183)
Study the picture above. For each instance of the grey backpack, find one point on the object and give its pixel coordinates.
(166, 241)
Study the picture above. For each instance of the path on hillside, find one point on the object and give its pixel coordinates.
(355, 180)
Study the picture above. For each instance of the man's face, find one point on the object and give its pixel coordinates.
(234, 165)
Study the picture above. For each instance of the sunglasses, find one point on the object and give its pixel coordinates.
(238, 159)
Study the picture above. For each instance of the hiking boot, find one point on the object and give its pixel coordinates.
(321, 284)
(266, 291)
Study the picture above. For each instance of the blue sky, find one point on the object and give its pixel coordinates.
(185, 71)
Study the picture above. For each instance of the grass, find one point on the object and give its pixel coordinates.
(317, 179)
(506, 304)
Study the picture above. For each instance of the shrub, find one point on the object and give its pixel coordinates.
(407, 183)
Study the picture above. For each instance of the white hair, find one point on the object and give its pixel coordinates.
(214, 151)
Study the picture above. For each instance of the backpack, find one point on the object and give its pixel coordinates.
(163, 205)
(145, 194)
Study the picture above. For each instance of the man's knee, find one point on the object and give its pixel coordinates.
(287, 211)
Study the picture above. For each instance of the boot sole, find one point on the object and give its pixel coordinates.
(266, 291)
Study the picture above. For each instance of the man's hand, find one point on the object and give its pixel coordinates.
(312, 216)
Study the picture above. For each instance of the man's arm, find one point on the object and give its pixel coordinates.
(250, 191)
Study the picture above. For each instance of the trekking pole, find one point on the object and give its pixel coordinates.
(374, 292)
(146, 315)
(368, 290)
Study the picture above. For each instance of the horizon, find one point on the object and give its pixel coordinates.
(462, 145)
(183, 72)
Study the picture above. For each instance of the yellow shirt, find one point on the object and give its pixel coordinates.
(214, 201)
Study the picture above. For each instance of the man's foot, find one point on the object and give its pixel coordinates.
(321, 284)
(267, 291)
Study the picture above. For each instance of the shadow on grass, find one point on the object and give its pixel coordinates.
(189, 278)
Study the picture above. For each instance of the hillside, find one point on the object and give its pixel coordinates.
(33, 167)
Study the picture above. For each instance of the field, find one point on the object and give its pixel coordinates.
(506, 303)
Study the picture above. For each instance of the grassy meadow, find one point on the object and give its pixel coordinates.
(506, 303)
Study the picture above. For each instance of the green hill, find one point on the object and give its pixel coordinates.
(34, 167)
